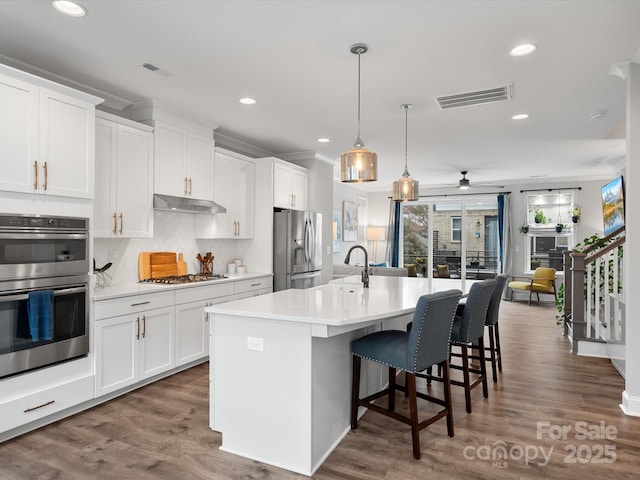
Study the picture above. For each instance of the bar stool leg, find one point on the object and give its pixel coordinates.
(483, 368)
(355, 391)
(465, 374)
(447, 396)
(492, 354)
(498, 350)
(392, 389)
(413, 410)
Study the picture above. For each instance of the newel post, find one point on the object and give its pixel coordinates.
(568, 288)
(577, 298)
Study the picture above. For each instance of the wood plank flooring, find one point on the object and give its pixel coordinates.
(161, 431)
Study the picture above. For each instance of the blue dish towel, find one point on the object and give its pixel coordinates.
(40, 309)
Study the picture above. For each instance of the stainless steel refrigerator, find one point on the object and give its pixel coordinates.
(297, 249)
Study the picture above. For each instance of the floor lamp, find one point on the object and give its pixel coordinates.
(375, 235)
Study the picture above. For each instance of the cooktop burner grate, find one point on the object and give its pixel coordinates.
(190, 278)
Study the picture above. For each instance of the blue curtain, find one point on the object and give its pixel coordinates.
(396, 209)
(500, 226)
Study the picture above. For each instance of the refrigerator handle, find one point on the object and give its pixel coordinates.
(307, 240)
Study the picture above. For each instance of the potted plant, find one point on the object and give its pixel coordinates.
(559, 227)
(524, 229)
(575, 213)
(539, 216)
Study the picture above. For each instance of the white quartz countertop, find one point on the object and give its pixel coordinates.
(140, 288)
(342, 302)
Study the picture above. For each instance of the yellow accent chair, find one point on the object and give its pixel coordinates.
(543, 281)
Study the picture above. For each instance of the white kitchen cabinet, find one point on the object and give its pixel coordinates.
(137, 342)
(234, 179)
(192, 322)
(123, 205)
(183, 164)
(290, 186)
(252, 287)
(46, 138)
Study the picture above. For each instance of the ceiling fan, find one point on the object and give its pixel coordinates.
(464, 183)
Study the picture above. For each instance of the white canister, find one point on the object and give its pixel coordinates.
(231, 268)
(241, 269)
(238, 262)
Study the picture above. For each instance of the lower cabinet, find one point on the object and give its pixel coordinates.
(192, 322)
(133, 347)
(29, 408)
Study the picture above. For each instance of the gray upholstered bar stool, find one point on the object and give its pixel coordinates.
(468, 333)
(491, 322)
(425, 345)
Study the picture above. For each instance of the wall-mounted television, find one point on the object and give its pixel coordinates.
(613, 205)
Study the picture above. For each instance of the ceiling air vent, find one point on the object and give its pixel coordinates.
(474, 98)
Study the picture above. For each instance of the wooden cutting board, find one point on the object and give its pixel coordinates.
(163, 264)
(160, 265)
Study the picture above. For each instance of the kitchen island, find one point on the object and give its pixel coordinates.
(281, 365)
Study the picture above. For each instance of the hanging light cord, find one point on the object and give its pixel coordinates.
(406, 138)
(359, 143)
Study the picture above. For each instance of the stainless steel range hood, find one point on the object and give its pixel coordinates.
(185, 205)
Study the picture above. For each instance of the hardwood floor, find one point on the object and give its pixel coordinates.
(161, 431)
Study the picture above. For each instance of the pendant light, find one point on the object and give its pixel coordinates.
(359, 164)
(406, 188)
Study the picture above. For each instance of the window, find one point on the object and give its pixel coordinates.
(456, 229)
(459, 236)
(550, 229)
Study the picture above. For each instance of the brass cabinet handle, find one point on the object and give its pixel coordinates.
(190, 185)
(137, 328)
(46, 175)
(144, 326)
(35, 167)
(115, 223)
(121, 223)
(185, 185)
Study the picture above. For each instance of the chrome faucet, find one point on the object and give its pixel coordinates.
(365, 272)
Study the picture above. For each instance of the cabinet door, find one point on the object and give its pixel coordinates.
(66, 145)
(156, 342)
(169, 176)
(18, 135)
(200, 166)
(224, 225)
(299, 188)
(192, 332)
(104, 206)
(282, 186)
(134, 182)
(244, 179)
(116, 350)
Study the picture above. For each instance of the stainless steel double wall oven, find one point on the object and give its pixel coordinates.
(44, 291)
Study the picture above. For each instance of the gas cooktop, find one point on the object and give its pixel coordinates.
(189, 278)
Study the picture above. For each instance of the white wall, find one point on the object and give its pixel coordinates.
(172, 232)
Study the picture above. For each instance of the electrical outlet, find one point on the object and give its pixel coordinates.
(329, 250)
(256, 344)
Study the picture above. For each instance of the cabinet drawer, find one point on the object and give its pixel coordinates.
(21, 411)
(133, 304)
(203, 293)
(253, 284)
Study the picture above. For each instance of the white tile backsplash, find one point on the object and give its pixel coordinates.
(172, 232)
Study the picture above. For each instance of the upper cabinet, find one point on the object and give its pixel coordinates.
(183, 162)
(234, 189)
(290, 186)
(46, 136)
(183, 153)
(124, 169)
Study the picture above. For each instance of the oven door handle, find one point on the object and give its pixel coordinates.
(56, 293)
(42, 236)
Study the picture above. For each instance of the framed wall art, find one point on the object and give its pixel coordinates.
(349, 222)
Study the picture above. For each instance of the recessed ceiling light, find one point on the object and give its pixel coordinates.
(69, 8)
(247, 101)
(324, 140)
(524, 49)
(520, 116)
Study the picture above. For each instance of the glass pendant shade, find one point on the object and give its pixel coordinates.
(406, 189)
(359, 164)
